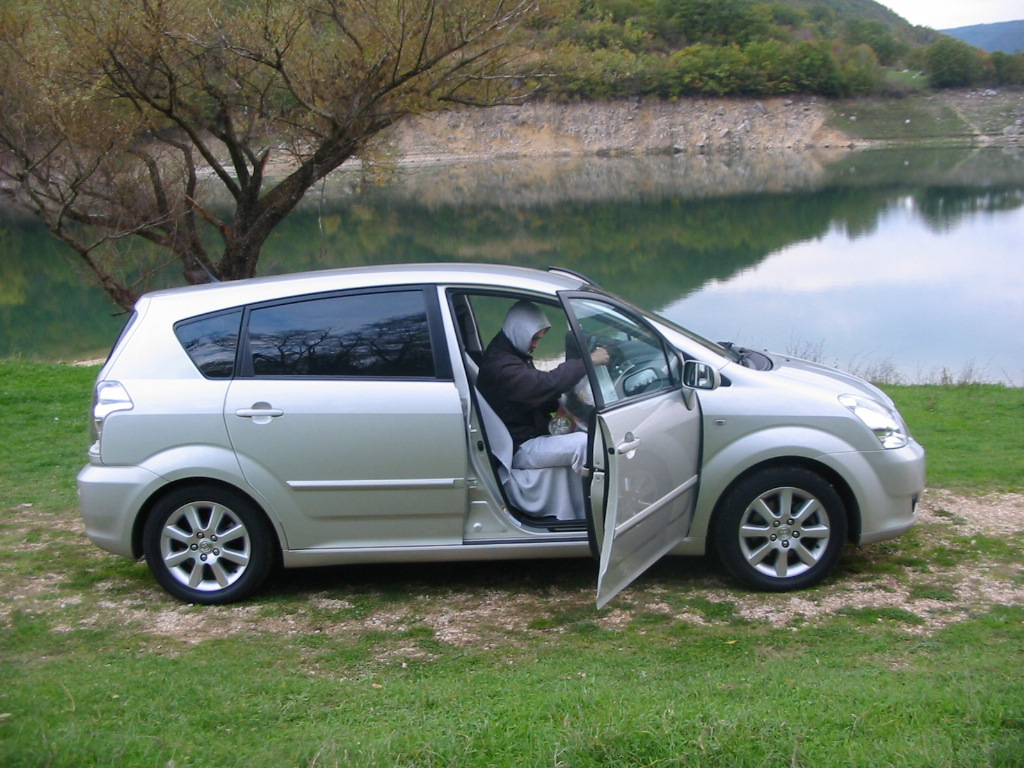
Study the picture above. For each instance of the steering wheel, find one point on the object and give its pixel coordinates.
(615, 355)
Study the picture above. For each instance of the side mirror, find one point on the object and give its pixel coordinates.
(698, 375)
(638, 382)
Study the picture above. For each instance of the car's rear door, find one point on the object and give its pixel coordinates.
(347, 421)
(646, 445)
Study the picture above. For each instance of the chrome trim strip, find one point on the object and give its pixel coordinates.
(377, 485)
(639, 518)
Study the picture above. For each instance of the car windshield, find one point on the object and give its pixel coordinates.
(721, 350)
(727, 352)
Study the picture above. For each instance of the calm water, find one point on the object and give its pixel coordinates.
(902, 265)
(905, 301)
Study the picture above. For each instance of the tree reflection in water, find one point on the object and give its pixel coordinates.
(653, 229)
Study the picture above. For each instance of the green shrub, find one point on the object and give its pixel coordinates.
(951, 63)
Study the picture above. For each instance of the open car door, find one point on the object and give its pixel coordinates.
(646, 444)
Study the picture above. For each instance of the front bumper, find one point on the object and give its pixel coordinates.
(888, 488)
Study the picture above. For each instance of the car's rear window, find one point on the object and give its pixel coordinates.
(211, 342)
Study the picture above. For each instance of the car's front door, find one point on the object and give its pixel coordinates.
(346, 422)
(647, 443)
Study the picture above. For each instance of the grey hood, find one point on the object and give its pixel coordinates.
(522, 323)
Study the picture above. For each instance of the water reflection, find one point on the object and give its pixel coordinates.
(910, 302)
(48, 309)
(898, 260)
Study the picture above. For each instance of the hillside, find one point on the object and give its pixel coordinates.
(1007, 36)
(867, 10)
(600, 50)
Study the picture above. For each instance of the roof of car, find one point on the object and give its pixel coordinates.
(215, 296)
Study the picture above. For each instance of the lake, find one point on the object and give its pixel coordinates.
(902, 265)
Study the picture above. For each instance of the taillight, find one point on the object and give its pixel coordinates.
(108, 397)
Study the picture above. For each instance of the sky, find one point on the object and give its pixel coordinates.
(949, 14)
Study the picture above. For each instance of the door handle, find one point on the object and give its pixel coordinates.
(628, 445)
(260, 413)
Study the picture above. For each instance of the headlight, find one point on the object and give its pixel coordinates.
(885, 423)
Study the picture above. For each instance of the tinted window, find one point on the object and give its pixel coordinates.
(376, 334)
(211, 342)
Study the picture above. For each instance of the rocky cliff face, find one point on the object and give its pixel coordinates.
(687, 126)
(713, 126)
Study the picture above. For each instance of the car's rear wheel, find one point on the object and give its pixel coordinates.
(206, 544)
(781, 528)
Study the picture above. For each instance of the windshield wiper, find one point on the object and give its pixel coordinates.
(749, 358)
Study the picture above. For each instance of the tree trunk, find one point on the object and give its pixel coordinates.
(256, 217)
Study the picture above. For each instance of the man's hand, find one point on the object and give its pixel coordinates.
(600, 356)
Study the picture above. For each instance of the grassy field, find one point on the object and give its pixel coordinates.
(909, 656)
(930, 117)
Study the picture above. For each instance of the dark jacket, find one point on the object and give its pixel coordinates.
(521, 395)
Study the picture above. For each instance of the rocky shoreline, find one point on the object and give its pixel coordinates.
(778, 125)
(616, 128)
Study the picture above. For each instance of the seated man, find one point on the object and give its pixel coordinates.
(525, 397)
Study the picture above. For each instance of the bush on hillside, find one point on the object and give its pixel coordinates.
(610, 49)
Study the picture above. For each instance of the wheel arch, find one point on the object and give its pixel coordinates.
(829, 474)
(147, 509)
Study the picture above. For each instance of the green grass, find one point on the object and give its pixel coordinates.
(904, 82)
(45, 432)
(858, 693)
(504, 664)
(915, 118)
(974, 434)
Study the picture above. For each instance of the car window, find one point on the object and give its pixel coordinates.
(211, 342)
(381, 334)
(489, 313)
(639, 363)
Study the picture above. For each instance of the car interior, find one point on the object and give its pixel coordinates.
(524, 490)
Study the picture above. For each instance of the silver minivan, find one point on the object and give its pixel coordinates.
(333, 417)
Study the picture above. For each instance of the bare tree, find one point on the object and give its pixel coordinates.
(123, 119)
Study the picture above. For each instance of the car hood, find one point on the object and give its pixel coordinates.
(825, 377)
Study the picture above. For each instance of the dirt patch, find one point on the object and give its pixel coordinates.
(990, 113)
(975, 584)
(518, 599)
(997, 514)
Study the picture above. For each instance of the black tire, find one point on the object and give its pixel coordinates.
(210, 545)
(780, 529)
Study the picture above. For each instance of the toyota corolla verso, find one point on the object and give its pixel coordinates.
(333, 417)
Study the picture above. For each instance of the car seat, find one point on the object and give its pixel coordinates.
(538, 491)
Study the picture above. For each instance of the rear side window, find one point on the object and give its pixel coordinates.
(372, 335)
(211, 342)
(124, 332)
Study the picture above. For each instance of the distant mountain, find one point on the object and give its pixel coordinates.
(1007, 36)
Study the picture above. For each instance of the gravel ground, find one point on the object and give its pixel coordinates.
(490, 604)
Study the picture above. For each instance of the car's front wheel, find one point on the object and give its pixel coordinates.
(206, 544)
(780, 529)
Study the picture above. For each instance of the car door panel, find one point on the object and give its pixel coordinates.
(646, 459)
(652, 483)
(354, 463)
